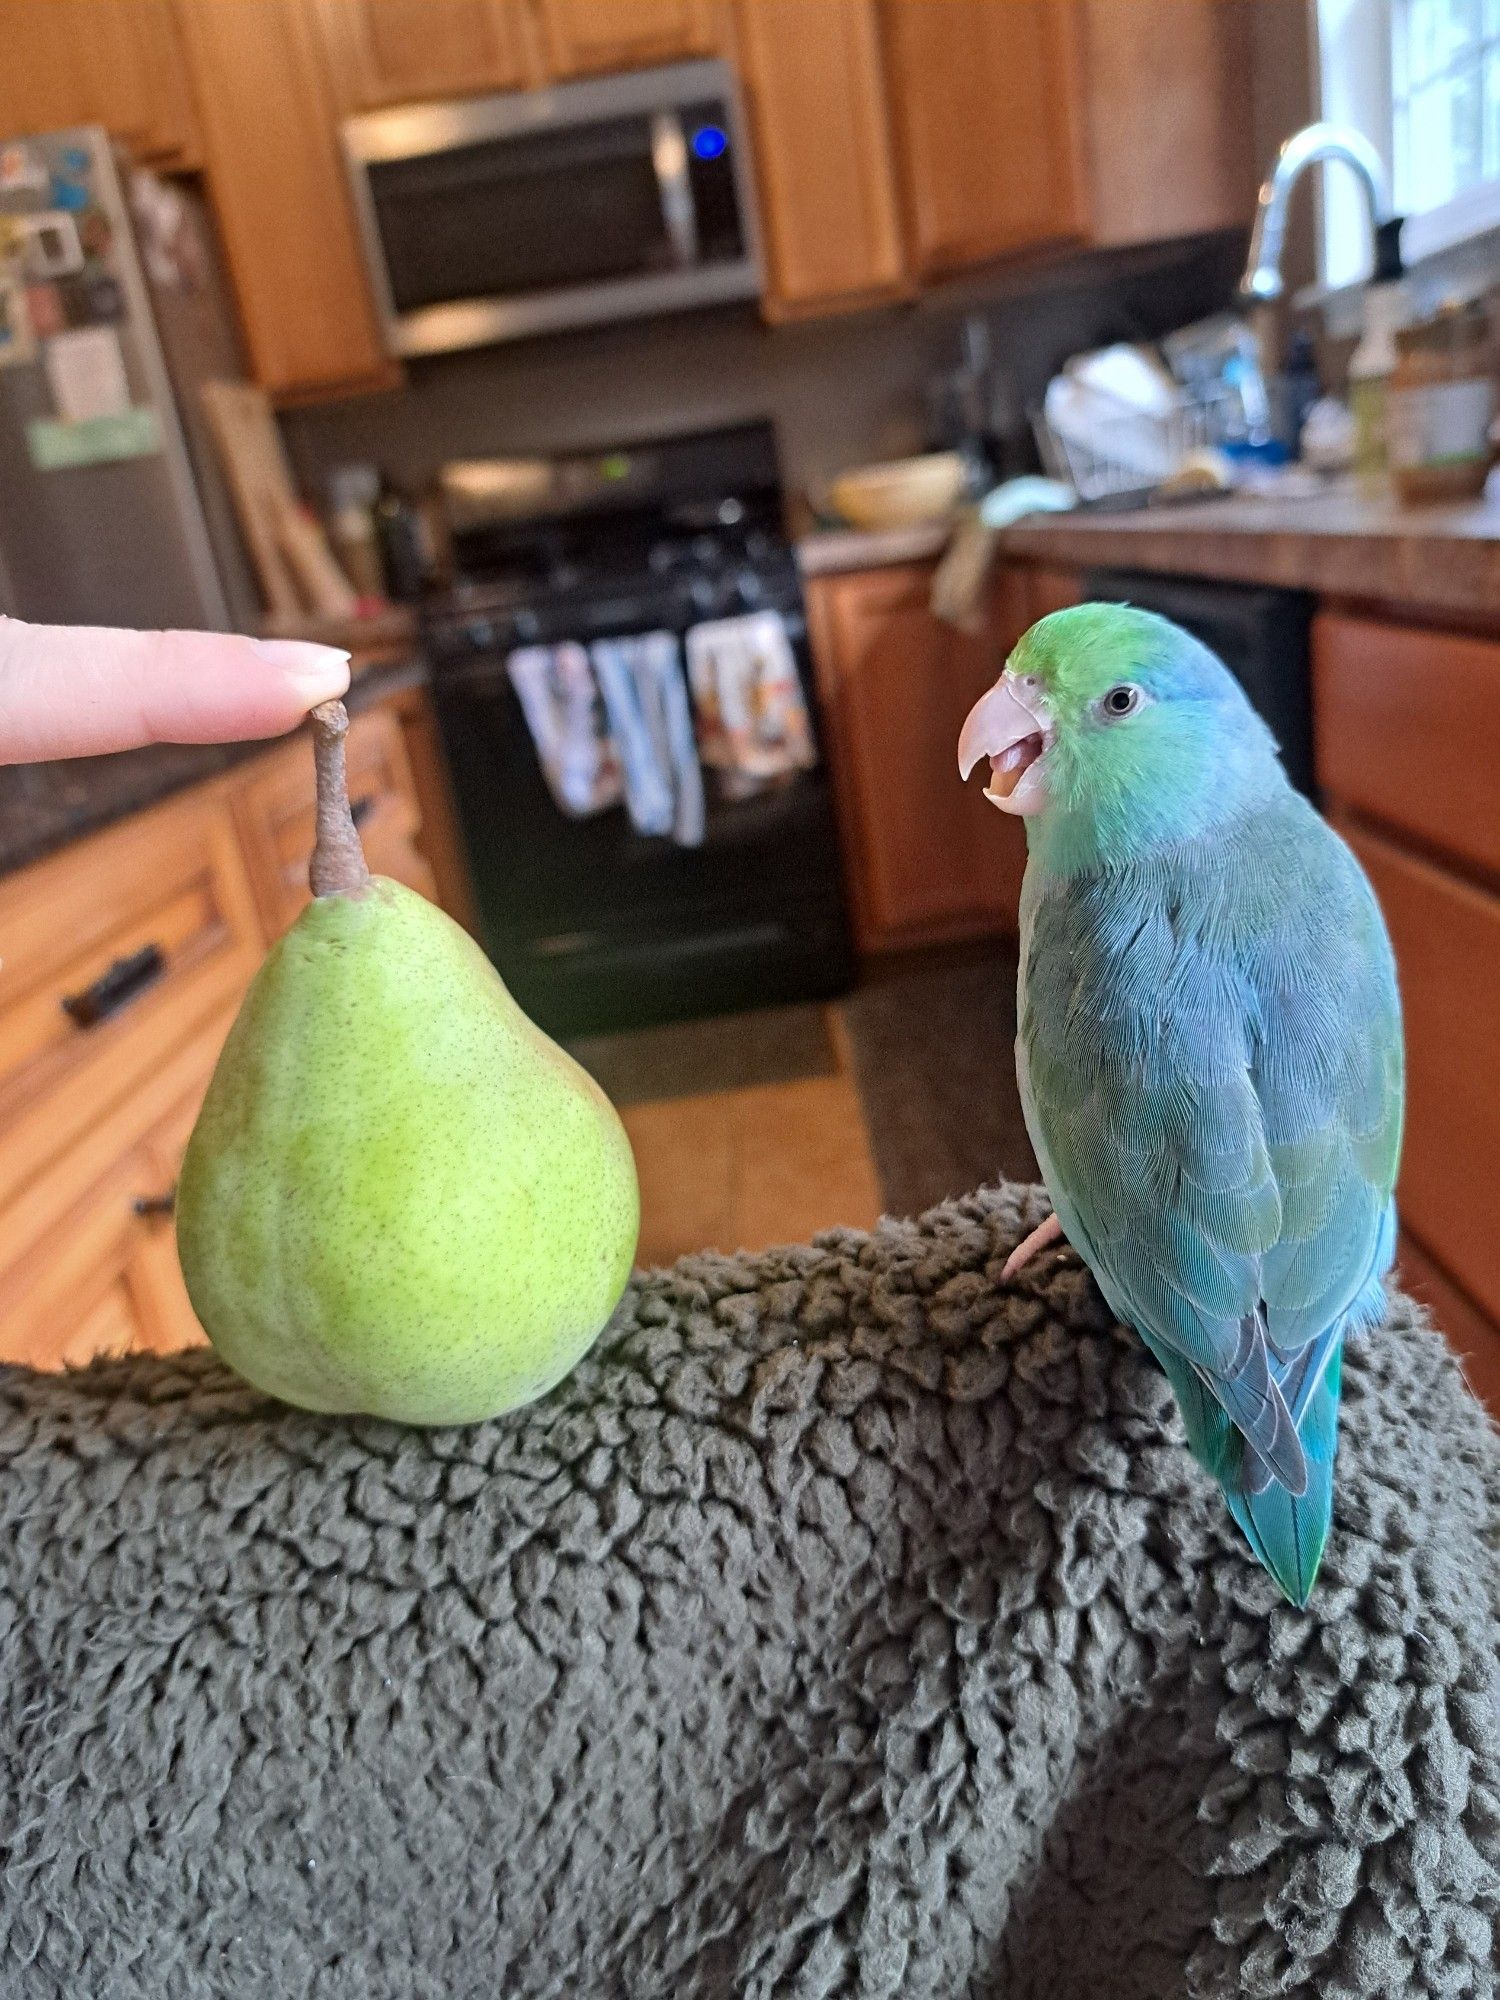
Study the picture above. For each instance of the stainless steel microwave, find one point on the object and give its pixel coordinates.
(490, 218)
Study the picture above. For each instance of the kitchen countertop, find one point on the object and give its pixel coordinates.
(1440, 561)
(827, 551)
(1444, 561)
(45, 806)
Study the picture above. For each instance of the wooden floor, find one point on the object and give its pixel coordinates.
(745, 1168)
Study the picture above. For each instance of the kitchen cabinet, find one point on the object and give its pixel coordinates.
(115, 63)
(1047, 122)
(926, 858)
(814, 85)
(382, 52)
(1408, 754)
(96, 1104)
(984, 101)
(282, 201)
(585, 37)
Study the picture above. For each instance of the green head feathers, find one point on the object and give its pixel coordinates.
(1114, 731)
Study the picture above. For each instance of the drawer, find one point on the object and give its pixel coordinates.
(1406, 726)
(274, 809)
(113, 955)
(102, 1277)
(1447, 939)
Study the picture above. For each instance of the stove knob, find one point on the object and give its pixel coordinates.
(480, 633)
(704, 595)
(527, 625)
(749, 589)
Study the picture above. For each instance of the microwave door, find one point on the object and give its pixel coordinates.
(498, 225)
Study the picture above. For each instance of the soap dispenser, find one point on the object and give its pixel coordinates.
(1386, 309)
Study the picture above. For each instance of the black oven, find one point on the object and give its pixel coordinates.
(592, 924)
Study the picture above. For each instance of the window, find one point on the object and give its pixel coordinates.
(1421, 80)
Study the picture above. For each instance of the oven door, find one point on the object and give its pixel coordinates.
(504, 216)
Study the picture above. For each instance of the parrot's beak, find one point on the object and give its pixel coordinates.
(1014, 737)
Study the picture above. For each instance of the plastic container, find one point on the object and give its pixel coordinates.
(1373, 361)
(353, 492)
(1440, 404)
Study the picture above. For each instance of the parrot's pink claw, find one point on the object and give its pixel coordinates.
(1046, 1232)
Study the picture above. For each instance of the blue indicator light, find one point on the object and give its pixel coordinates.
(710, 142)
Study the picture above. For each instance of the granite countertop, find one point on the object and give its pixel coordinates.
(45, 806)
(1442, 560)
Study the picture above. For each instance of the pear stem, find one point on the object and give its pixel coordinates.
(338, 861)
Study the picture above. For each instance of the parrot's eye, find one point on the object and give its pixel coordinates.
(1122, 700)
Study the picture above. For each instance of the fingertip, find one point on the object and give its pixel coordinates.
(319, 673)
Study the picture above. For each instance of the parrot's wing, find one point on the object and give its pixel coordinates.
(1217, 1134)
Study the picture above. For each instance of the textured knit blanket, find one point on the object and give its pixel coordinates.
(848, 1624)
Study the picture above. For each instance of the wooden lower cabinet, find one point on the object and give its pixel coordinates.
(926, 858)
(95, 1114)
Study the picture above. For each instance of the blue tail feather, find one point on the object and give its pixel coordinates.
(1286, 1532)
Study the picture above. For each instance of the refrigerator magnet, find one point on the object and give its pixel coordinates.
(17, 341)
(71, 195)
(21, 172)
(44, 305)
(86, 374)
(51, 248)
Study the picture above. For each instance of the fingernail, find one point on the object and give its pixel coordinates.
(320, 672)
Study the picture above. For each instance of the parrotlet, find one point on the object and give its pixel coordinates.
(1209, 1049)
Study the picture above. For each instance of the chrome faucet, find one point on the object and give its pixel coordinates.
(1262, 281)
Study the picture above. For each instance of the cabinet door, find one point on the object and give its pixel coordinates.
(985, 99)
(925, 855)
(1446, 935)
(274, 810)
(281, 197)
(814, 84)
(1167, 118)
(105, 1280)
(115, 63)
(391, 51)
(582, 37)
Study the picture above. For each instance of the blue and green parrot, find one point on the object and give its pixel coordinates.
(1209, 1045)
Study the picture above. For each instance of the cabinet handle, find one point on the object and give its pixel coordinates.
(125, 980)
(155, 1204)
(361, 808)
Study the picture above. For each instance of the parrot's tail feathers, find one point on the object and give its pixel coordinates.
(1286, 1530)
(1250, 1392)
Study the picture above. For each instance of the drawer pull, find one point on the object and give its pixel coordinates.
(361, 808)
(112, 990)
(155, 1204)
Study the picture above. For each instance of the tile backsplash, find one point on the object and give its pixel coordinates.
(841, 391)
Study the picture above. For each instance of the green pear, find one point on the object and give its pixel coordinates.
(400, 1197)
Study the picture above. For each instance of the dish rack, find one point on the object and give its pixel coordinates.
(1136, 451)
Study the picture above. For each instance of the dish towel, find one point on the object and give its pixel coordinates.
(646, 700)
(752, 717)
(560, 700)
(849, 1623)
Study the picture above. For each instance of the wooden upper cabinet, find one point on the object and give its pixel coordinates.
(814, 86)
(281, 196)
(584, 37)
(984, 98)
(383, 52)
(115, 63)
(1166, 113)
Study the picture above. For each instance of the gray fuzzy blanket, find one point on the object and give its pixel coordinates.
(846, 1625)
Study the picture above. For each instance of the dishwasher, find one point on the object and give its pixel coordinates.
(1261, 635)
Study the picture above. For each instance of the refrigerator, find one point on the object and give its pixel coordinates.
(113, 312)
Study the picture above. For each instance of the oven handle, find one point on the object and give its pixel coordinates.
(669, 156)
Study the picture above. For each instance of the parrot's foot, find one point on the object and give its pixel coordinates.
(1046, 1232)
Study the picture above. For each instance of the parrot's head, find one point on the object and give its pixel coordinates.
(1117, 729)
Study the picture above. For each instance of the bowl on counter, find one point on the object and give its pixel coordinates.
(905, 493)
